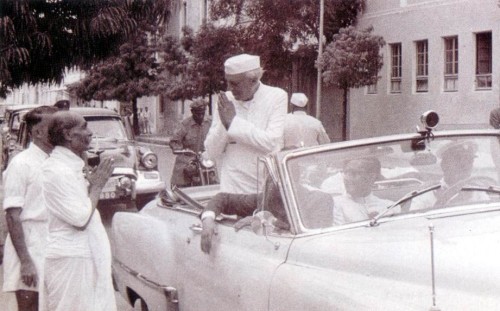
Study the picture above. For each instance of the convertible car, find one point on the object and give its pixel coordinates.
(424, 234)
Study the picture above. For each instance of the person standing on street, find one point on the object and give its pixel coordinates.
(141, 121)
(189, 135)
(302, 130)
(147, 121)
(248, 122)
(26, 215)
(77, 274)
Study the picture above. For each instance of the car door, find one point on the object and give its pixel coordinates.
(237, 273)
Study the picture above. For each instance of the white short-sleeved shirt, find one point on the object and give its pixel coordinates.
(22, 186)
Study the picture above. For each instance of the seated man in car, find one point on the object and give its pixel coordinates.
(359, 203)
(457, 163)
(317, 213)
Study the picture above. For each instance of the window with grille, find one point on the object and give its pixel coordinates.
(451, 64)
(422, 76)
(396, 69)
(483, 61)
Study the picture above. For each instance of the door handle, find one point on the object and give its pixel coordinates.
(196, 228)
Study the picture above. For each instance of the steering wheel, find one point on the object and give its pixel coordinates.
(449, 194)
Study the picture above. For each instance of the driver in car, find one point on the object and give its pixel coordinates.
(359, 203)
(457, 163)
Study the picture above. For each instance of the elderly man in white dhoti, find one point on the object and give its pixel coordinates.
(78, 255)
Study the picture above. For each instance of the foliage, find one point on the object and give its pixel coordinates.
(39, 40)
(199, 58)
(353, 59)
(132, 74)
(277, 29)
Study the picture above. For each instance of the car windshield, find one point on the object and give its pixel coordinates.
(404, 176)
(107, 128)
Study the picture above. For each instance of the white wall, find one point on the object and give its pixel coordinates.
(406, 21)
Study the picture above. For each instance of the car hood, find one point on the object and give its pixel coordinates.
(393, 261)
(122, 152)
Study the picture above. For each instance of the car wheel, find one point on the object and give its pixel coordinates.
(140, 305)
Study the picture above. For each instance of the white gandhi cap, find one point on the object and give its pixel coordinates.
(241, 63)
(299, 99)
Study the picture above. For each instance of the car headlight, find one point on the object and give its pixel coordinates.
(149, 160)
(125, 183)
(207, 163)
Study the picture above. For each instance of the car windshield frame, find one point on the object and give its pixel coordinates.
(291, 179)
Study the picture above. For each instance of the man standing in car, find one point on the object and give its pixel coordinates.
(189, 135)
(26, 214)
(248, 122)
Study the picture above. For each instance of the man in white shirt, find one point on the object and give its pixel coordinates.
(359, 203)
(248, 123)
(77, 274)
(301, 129)
(26, 215)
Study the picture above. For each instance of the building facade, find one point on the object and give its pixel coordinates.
(441, 55)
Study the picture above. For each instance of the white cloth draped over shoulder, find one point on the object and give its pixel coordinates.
(23, 189)
(78, 262)
(257, 129)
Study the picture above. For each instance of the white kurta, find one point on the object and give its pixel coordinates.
(302, 130)
(257, 129)
(78, 262)
(347, 209)
(22, 188)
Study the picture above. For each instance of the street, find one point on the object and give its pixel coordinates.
(165, 163)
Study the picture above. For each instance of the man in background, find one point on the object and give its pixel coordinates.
(191, 135)
(302, 130)
(26, 214)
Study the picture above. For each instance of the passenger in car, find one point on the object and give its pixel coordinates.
(316, 214)
(359, 203)
(457, 163)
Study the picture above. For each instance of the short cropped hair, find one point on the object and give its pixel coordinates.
(34, 116)
(61, 121)
(370, 165)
